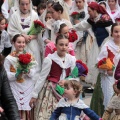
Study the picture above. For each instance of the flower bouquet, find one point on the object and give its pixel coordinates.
(105, 64)
(24, 64)
(75, 15)
(80, 70)
(72, 36)
(36, 27)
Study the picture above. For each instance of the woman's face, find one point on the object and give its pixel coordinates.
(62, 46)
(24, 6)
(80, 4)
(2, 24)
(20, 44)
(92, 13)
(116, 34)
(65, 31)
(55, 15)
(49, 6)
(111, 3)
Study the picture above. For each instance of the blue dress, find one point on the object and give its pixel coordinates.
(67, 111)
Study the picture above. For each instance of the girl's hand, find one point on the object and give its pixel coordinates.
(61, 83)
(47, 41)
(32, 102)
(32, 37)
(1, 110)
(19, 76)
(76, 22)
(110, 72)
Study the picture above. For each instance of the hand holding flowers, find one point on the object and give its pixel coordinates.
(25, 63)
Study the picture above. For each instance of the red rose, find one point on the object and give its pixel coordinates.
(74, 13)
(73, 36)
(25, 58)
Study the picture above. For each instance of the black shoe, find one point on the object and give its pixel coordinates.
(89, 90)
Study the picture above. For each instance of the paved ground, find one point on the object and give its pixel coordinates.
(87, 98)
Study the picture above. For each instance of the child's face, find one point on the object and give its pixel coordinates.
(41, 11)
(116, 34)
(48, 16)
(111, 3)
(69, 92)
(55, 15)
(65, 31)
(103, 6)
(62, 47)
(20, 44)
(80, 4)
(2, 24)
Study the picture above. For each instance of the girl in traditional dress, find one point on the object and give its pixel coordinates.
(71, 106)
(22, 85)
(61, 28)
(110, 50)
(113, 9)
(5, 45)
(84, 43)
(20, 23)
(57, 14)
(56, 67)
(114, 104)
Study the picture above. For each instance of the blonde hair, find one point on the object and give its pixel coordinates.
(75, 85)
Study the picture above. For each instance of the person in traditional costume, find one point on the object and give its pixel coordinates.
(21, 82)
(113, 9)
(100, 23)
(111, 52)
(56, 67)
(5, 44)
(79, 13)
(95, 21)
(72, 102)
(114, 104)
(20, 23)
(6, 6)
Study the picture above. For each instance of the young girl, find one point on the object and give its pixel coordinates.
(61, 28)
(5, 45)
(48, 16)
(57, 14)
(110, 50)
(21, 89)
(56, 67)
(114, 104)
(113, 9)
(70, 107)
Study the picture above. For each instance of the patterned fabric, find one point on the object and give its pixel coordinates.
(46, 103)
(97, 98)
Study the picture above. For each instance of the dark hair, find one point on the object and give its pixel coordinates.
(114, 25)
(59, 37)
(118, 84)
(75, 85)
(57, 7)
(50, 2)
(16, 36)
(61, 27)
(41, 6)
(2, 17)
(102, 2)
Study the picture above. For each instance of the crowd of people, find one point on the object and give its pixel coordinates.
(49, 48)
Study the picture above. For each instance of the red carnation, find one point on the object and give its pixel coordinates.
(74, 13)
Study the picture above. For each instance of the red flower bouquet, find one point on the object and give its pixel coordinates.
(73, 36)
(36, 27)
(105, 64)
(24, 64)
(75, 15)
